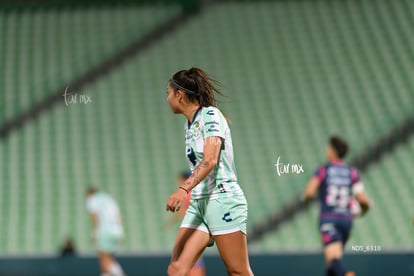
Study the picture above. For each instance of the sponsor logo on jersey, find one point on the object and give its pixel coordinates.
(211, 123)
(227, 217)
(327, 227)
(210, 112)
(221, 188)
(212, 126)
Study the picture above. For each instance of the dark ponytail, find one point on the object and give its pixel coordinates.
(198, 86)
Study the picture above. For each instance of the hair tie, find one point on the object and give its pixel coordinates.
(188, 91)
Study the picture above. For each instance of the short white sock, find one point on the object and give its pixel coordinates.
(116, 270)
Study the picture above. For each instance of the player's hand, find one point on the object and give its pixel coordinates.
(176, 200)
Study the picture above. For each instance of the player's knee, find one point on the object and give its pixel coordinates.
(331, 255)
(177, 269)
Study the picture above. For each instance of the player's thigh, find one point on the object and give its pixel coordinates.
(189, 244)
(191, 222)
(332, 236)
(105, 256)
(330, 232)
(188, 247)
(345, 229)
(105, 260)
(232, 248)
(227, 221)
(333, 251)
(181, 239)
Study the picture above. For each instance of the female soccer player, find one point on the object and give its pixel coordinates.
(108, 230)
(217, 206)
(339, 186)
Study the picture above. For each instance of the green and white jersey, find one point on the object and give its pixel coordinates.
(107, 210)
(222, 180)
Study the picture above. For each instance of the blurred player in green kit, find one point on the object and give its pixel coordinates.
(107, 231)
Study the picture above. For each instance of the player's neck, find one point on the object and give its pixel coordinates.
(190, 111)
(336, 161)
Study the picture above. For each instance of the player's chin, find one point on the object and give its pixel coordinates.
(175, 110)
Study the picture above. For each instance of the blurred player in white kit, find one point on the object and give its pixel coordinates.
(107, 230)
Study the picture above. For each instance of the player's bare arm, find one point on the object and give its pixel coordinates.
(361, 197)
(363, 201)
(95, 221)
(311, 189)
(212, 147)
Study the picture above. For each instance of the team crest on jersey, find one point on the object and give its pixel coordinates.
(196, 129)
